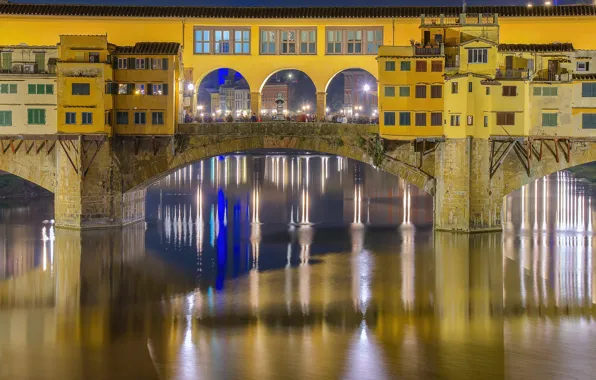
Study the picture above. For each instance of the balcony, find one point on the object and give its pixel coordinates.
(462, 20)
(513, 74)
(428, 50)
(550, 76)
(28, 68)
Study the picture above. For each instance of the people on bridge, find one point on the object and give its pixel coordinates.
(253, 118)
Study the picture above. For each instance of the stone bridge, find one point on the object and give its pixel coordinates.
(100, 181)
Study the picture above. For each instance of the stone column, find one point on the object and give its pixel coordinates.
(255, 103)
(88, 186)
(321, 105)
(467, 199)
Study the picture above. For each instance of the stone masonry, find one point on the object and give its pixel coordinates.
(106, 188)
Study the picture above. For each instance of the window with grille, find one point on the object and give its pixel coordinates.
(421, 91)
(421, 66)
(436, 91)
(436, 119)
(420, 119)
(509, 90)
(505, 118)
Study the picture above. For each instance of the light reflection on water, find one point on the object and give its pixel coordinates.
(285, 266)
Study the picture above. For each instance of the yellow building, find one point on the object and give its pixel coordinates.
(410, 92)
(584, 104)
(28, 89)
(146, 88)
(84, 68)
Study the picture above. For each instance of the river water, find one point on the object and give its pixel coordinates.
(285, 266)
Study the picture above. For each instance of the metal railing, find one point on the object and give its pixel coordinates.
(427, 50)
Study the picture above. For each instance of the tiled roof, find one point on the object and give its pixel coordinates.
(584, 76)
(287, 12)
(156, 48)
(537, 48)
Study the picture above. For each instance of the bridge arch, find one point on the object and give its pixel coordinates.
(39, 169)
(141, 170)
(372, 74)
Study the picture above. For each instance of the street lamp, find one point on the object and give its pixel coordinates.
(547, 3)
(366, 87)
(326, 109)
(190, 87)
(200, 107)
(290, 75)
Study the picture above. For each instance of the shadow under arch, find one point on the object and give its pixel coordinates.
(30, 175)
(138, 179)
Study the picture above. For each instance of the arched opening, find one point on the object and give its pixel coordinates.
(352, 93)
(221, 95)
(291, 92)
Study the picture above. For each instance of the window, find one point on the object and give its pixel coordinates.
(505, 118)
(454, 87)
(589, 90)
(156, 64)
(477, 55)
(268, 42)
(469, 86)
(420, 120)
(470, 120)
(40, 61)
(436, 91)
(455, 120)
(107, 118)
(87, 118)
(436, 119)
(389, 91)
(157, 118)
(157, 89)
(549, 91)
(390, 66)
(202, 42)
(589, 121)
(549, 119)
(242, 41)
(8, 88)
(421, 66)
(121, 117)
(308, 42)
(354, 41)
(404, 91)
(421, 91)
(485, 121)
(509, 90)
(405, 66)
(537, 91)
(123, 63)
(5, 118)
(81, 88)
(140, 118)
(94, 57)
(6, 61)
(389, 118)
(139, 88)
(36, 116)
(583, 66)
(404, 118)
(436, 66)
(487, 90)
(71, 118)
(40, 89)
(334, 41)
(374, 39)
(140, 63)
(122, 89)
(221, 41)
(288, 42)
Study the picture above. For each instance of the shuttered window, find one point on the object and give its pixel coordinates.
(505, 118)
(389, 118)
(420, 119)
(5, 118)
(36, 116)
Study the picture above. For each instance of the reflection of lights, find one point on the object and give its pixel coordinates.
(357, 204)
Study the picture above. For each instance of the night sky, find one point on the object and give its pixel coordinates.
(281, 3)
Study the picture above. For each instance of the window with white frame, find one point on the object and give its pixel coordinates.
(582, 66)
(156, 64)
(123, 63)
(478, 55)
(140, 63)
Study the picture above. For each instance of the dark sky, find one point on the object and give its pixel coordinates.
(282, 3)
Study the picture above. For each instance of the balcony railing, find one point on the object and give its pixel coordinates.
(552, 77)
(427, 50)
(513, 74)
(463, 19)
(29, 69)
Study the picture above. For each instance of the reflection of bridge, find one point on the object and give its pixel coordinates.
(100, 181)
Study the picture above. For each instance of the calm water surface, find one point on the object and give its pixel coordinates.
(301, 267)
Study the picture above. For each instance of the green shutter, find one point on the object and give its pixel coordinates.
(114, 62)
(131, 89)
(31, 89)
(149, 89)
(8, 118)
(40, 61)
(43, 116)
(164, 64)
(41, 89)
(131, 64)
(49, 88)
(13, 89)
(165, 88)
(147, 63)
(7, 62)
(29, 116)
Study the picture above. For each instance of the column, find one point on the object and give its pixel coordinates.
(321, 105)
(255, 103)
(88, 186)
(467, 199)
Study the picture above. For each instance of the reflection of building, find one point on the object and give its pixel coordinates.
(28, 88)
(360, 93)
(270, 93)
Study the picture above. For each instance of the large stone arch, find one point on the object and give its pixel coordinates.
(292, 68)
(36, 167)
(515, 174)
(374, 75)
(205, 141)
